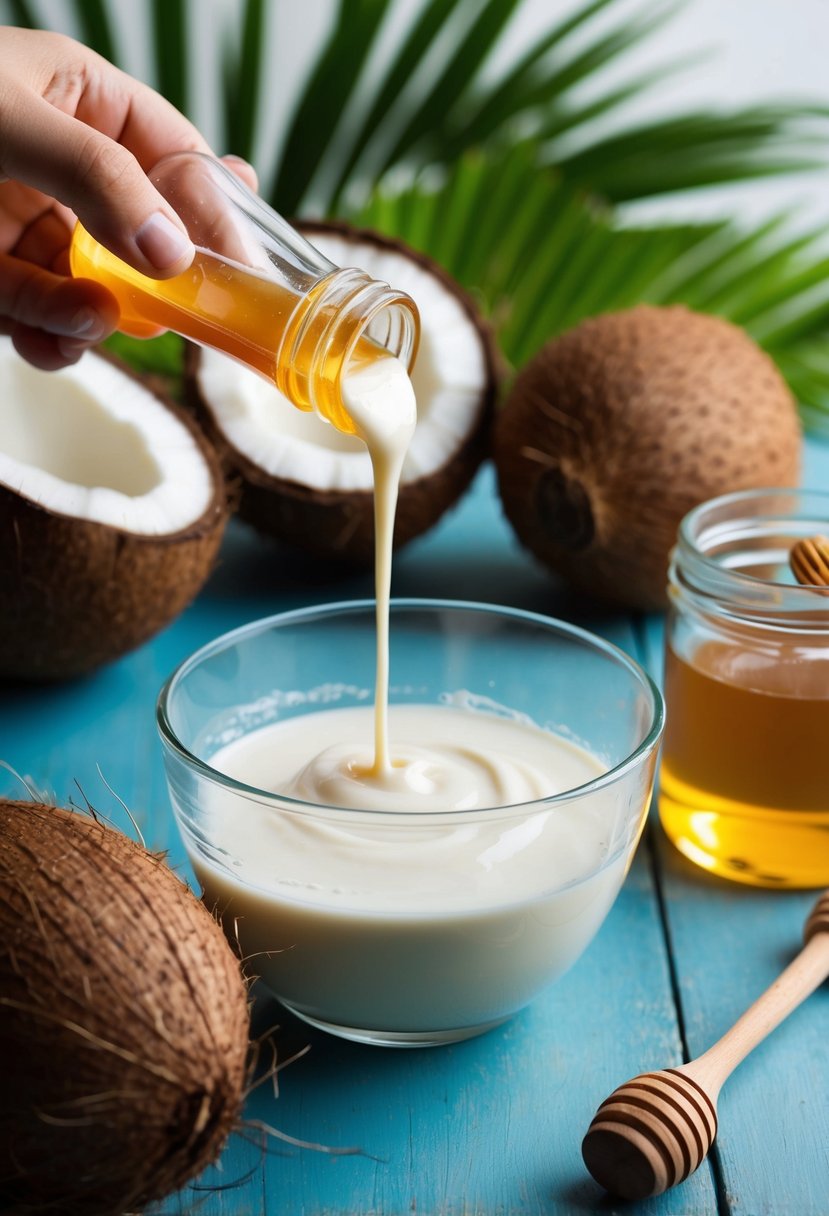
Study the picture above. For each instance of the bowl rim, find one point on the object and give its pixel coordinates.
(284, 802)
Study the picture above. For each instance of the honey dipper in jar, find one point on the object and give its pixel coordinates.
(809, 560)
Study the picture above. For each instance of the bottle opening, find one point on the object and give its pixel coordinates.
(350, 319)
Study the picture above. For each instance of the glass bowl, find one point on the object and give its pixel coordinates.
(421, 928)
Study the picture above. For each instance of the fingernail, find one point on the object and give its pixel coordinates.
(72, 348)
(86, 324)
(78, 323)
(162, 243)
(242, 168)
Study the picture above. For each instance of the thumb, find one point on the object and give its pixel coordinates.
(105, 186)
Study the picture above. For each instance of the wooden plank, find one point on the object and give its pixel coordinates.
(492, 1126)
(728, 944)
(489, 1126)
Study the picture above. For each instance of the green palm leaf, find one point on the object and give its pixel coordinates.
(169, 29)
(805, 365)
(698, 150)
(458, 110)
(507, 97)
(566, 116)
(410, 54)
(538, 85)
(20, 13)
(461, 107)
(453, 80)
(549, 259)
(328, 90)
(95, 27)
(242, 71)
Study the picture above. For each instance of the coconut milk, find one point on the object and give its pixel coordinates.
(392, 906)
(381, 402)
(405, 920)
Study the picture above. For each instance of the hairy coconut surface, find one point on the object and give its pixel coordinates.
(619, 427)
(305, 483)
(112, 508)
(123, 1020)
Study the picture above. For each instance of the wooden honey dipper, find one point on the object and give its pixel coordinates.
(809, 560)
(655, 1130)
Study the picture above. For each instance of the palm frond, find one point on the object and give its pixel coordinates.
(566, 117)
(95, 27)
(470, 52)
(542, 92)
(463, 105)
(542, 257)
(418, 41)
(326, 94)
(696, 150)
(242, 71)
(169, 31)
(20, 13)
(537, 86)
(805, 365)
(508, 96)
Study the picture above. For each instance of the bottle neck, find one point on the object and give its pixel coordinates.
(346, 319)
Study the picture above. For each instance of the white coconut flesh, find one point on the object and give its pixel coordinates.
(92, 443)
(449, 379)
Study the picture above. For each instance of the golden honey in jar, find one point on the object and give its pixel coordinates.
(745, 769)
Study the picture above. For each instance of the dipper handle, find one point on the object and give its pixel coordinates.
(654, 1131)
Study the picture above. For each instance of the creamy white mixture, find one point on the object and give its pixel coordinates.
(381, 403)
(385, 913)
(400, 919)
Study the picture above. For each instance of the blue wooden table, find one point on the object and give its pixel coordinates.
(490, 1127)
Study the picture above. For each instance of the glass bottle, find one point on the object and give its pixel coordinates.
(744, 784)
(256, 290)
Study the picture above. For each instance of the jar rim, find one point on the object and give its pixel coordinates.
(723, 529)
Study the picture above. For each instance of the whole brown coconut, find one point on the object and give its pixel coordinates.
(123, 1020)
(82, 583)
(316, 495)
(619, 427)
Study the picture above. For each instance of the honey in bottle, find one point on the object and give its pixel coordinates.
(256, 290)
(744, 788)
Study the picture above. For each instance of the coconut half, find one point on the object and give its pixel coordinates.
(306, 483)
(112, 508)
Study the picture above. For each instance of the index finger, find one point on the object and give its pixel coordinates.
(136, 117)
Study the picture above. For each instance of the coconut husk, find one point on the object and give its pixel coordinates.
(123, 1020)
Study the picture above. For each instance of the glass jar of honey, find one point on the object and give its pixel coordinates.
(745, 768)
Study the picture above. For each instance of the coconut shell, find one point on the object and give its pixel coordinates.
(619, 427)
(123, 1020)
(332, 523)
(340, 524)
(75, 594)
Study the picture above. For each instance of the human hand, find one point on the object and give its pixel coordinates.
(77, 137)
